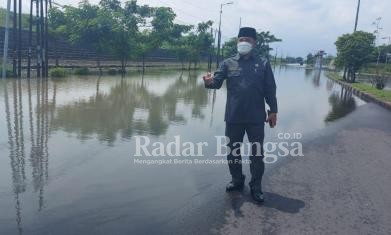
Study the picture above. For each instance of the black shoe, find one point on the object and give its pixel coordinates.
(257, 196)
(235, 186)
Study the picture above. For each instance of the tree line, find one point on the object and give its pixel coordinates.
(130, 31)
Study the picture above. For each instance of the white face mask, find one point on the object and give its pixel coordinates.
(244, 47)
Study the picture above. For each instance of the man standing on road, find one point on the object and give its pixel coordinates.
(250, 82)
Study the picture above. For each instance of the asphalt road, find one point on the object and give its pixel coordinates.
(342, 185)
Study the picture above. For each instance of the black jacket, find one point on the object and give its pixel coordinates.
(250, 82)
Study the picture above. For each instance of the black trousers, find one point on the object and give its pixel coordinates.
(255, 133)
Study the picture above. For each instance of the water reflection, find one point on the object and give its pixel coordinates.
(314, 75)
(341, 104)
(39, 157)
(16, 148)
(130, 108)
(316, 78)
(329, 85)
(38, 153)
(308, 72)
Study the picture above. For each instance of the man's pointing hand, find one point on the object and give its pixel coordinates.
(208, 79)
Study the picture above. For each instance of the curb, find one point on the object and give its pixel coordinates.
(363, 95)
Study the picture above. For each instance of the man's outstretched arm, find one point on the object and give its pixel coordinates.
(217, 80)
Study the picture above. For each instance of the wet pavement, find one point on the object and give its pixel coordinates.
(340, 186)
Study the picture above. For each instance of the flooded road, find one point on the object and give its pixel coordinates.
(67, 147)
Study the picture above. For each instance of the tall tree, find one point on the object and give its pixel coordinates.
(353, 51)
(264, 39)
(162, 25)
(86, 25)
(124, 28)
(178, 41)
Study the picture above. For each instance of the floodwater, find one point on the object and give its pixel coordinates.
(67, 147)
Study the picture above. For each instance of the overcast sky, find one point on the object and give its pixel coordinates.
(304, 26)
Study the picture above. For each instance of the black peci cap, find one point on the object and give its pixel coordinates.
(247, 32)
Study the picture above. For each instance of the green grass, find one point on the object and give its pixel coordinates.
(384, 95)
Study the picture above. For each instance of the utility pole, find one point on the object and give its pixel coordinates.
(15, 39)
(219, 34)
(43, 62)
(37, 42)
(30, 40)
(20, 41)
(357, 13)
(377, 32)
(379, 81)
(46, 40)
(6, 39)
(354, 30)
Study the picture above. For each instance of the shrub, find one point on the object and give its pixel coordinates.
(82, 71)
(58, 72)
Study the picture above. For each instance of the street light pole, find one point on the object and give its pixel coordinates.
(6, 40)
(355, 29)
(15, 40)
(377, 32)
(357, 12)
(379, 80)
(20, 40)
(219, 34)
